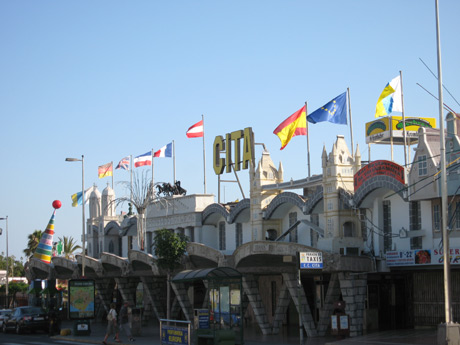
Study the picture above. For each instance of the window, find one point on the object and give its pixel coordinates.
(192, 235)
(239, 234)
(422, 166)
(415, 218)
(111, 247)
(457, 215)
(222, 236)
(348, 229)
(292, 221)
(387, 240)
(130, 242)
(436, 217)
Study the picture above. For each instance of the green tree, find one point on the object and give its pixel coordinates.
(169, 250)
(13, 288)
(69, 246)
(15, 267)
(32, 242)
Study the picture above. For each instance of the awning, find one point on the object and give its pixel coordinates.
(215, 273)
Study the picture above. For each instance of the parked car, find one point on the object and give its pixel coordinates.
(3, 315)
(26, 318)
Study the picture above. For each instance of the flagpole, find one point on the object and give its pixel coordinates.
(111, 163)
(152, 169)
(404, 124)
(445, 235)
(131, 174)
(351, 123)
(204, 157)
(174, 162)
(308, 140)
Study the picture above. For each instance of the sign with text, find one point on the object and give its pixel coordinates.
(421, 257)
(311, 260)
(81, 299)
(173, 335)
(378, 168)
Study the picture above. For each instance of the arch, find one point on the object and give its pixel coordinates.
(111, 226)
(377, 182)
(209, 214)
(284, 198)
(313, 200)
(241, 206)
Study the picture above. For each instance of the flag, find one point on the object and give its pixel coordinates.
(145, 159)
(105, 170)
(335, 111)
(390, 99)
(123, 164)
(44, 249)
(296, 124)
(77, 198)
(196, 131)
(165, 151)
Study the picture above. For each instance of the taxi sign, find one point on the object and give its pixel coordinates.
(311, 260)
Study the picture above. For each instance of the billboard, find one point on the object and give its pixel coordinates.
(384, 130)
(81, 299)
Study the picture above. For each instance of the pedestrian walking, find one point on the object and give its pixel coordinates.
(111, 324)
(125, 313)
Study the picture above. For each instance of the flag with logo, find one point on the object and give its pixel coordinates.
(390, 99)
(143, 160)
(105, 170)
(334, 111)
(296, 124)
(123, 164)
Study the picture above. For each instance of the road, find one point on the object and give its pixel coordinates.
(31, 339)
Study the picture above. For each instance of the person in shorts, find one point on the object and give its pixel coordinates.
(111, 324)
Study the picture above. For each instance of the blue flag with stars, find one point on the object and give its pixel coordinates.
(335, 111)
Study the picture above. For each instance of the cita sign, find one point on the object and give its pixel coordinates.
(311, 260)
(222, 145)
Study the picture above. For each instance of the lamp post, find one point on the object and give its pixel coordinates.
(83, 237)
(7, 269)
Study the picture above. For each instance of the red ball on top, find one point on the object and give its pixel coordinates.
(57, 204)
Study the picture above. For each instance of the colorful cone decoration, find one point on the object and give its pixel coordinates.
(44, 250)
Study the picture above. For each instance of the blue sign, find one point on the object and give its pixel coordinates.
(311, 260)
(203, 318)
(173, 335)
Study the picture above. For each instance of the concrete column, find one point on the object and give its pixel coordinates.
(291, 280)
(354, 290)
(181, 292)
(127, 288)
(251, 289)
(282, 305)
(332, 295)
(104, 288)
(156, 293)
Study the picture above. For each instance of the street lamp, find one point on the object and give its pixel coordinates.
(83, 238)
(6, 218)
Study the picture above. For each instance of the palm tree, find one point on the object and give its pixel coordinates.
(32, 242)
(69, 246)
(141, 196)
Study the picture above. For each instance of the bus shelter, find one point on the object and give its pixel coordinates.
(222, 321)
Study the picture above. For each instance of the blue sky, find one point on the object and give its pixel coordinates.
(108, 79)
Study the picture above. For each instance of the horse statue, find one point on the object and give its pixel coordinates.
(178, 190)
(167, 189)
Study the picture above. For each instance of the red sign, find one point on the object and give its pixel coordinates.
(378, 168)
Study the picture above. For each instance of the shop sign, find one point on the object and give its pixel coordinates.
(311, 260)
(421, 257)
(378, 168)
(173, 335)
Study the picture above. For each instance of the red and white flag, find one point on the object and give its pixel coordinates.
(142, 160)
(196, 131)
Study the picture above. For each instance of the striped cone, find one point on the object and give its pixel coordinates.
(44, 249)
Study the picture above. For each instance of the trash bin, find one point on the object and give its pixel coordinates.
(136, 321)
(82, 327)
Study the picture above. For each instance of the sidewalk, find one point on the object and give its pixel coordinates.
(150, 335)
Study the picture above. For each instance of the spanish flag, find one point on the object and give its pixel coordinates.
(296, 124)
(105, 170)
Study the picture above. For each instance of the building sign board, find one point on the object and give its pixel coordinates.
(225, 146)
(173, 335)
(81, 299)
(389, 129)
(421, 257)
(311, 260)
(378, 168)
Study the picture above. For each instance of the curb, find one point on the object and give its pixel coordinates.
(86, 341)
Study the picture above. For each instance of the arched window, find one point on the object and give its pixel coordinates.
(111, 247)
(349, 229)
